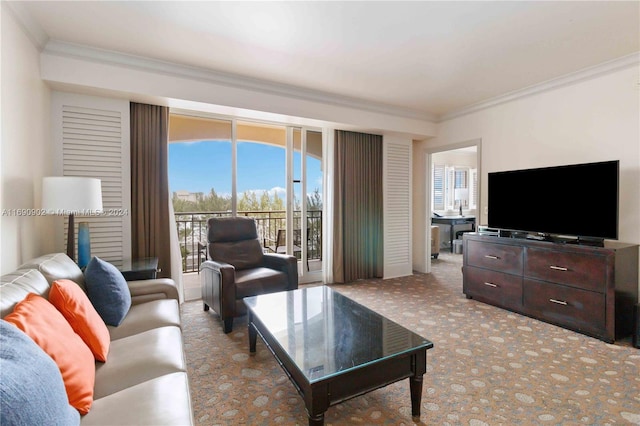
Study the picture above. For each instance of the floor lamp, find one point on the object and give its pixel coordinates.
(80, 196)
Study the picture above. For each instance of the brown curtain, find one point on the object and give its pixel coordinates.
(358, 227)
(150, 185)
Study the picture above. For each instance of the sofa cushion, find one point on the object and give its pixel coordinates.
(31, 388)
(107, 290)
(161, 401)
(16, 285)
(75, 306)
(56, 266)
(138, 358)
(41, 321)
(147, 316)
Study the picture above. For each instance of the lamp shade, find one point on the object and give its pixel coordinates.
(461, 193)
(71, 195)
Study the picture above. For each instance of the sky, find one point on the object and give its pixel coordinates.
(200, 166)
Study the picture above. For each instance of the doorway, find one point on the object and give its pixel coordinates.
(453, 190)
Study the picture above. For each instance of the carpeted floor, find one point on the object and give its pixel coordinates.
(488, 367)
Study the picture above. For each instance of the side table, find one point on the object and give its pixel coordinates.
(139, 269)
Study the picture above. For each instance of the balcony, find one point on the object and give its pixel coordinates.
(192, 232)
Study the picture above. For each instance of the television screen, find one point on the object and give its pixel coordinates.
(575, 200)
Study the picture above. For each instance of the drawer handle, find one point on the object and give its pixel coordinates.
(488, 256)
(491, 284)
(558, 268)
(559, 302)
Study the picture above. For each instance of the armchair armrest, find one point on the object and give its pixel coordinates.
(218, 287)
(285, 263)
(217, 267)
(147, 290)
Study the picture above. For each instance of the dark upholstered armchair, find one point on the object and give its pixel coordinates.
(238, 268)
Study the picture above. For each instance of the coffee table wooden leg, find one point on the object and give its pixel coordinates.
(253, 334)
(317, 420)
(415, 385)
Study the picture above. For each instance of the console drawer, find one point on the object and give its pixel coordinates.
(499, 288)
(502, 257)
(575, 269)
(569, 307)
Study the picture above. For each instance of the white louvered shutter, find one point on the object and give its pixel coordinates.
(397, 211)
(449, 186)
(473, 189)
(94, 142)
(438, 187)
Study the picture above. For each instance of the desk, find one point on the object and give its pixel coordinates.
(454, 221)
(139, 269)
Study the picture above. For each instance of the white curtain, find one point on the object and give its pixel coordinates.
(328, 166)
(176, 256)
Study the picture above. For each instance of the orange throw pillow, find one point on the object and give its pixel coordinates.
(76, 307)
(41, 321)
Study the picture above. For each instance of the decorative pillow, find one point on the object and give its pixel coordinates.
(31, 387)
(75, 306)
(107, 290)
(41, 321)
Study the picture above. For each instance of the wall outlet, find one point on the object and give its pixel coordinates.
(486, 210)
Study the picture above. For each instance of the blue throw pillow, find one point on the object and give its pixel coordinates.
(31, 388)
(107, 290)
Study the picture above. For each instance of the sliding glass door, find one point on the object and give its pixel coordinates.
(235, 167)
(305, 201)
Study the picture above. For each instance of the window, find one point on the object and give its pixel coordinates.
(460, 196)
(453, 185)
(222, 167)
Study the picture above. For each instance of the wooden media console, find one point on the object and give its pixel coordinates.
(591, 290)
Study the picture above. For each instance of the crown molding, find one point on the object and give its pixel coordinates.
(566, 80)
(92, 54)
(31, 28)
(41, 41)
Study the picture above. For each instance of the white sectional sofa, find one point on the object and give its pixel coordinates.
(144, 380)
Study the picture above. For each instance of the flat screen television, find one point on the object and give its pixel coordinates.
(578, 200)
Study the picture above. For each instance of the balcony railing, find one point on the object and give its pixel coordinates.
(192, 231)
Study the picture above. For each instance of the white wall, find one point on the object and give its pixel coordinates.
(421, 180)
(457, 158)
(26, 147)
(592, 120)
(145, 80)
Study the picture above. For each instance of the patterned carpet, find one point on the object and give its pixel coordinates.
(488, 367)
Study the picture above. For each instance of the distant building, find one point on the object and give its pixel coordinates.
(188, 196)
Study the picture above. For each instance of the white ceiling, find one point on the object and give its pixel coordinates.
(428, 57)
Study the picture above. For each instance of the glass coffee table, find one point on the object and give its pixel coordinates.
(332, 348)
